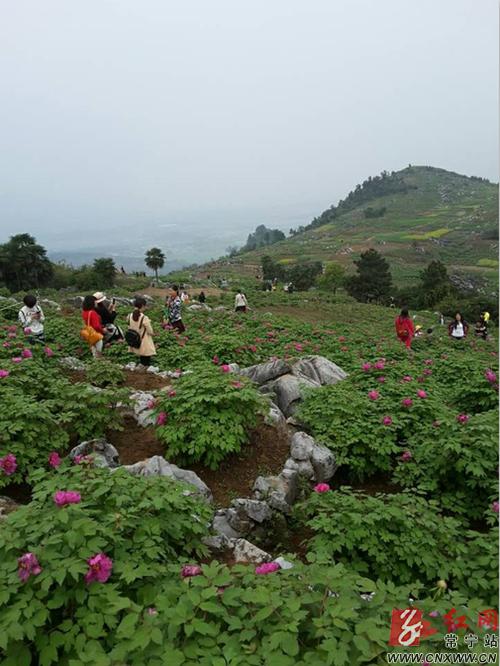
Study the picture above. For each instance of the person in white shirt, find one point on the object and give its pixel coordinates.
(240, 302)
(31, 318)
(458, 328)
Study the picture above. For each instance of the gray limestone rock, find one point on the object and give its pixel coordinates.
(244, 551)
(319, 369)
(221, 526)
(104, 453)
(256, 510)
(72, 363)
(301, 446)
(275, 416)
(265, 372)
(323, 462)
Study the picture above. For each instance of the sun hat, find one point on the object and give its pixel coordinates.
(99, 297)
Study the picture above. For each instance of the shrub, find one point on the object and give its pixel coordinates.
(399, 537)
(208, 417)
(139, 524)
(101, 372)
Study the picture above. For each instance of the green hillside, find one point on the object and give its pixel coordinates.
(440, 215)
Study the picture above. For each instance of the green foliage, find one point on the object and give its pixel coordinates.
(155, 259)
(372, 213)
(101, 372)
(261, 237)
(141, 524)
(209, 416)
(105, 271)
(399, 537)
(24, 263)
(434, 284)
(40, 411)
(332, 277)
(373, 280)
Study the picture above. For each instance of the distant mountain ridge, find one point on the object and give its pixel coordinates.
(411, 216)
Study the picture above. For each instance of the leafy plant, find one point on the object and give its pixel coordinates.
(139, 524)
(101, 372)
(208, 415)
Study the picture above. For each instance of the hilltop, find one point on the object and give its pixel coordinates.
(428, 213)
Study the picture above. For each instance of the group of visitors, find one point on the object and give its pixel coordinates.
(99, 314)
(458, 328)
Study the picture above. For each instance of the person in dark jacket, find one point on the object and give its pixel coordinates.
(107, 312)
(202, 298)
(458, 328)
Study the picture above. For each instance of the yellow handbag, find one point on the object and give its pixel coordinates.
(90, 335)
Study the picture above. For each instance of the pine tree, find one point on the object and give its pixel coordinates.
(373, 280)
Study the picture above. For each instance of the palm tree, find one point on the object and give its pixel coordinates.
(155, 259)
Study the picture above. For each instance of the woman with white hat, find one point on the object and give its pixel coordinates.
(107, 311)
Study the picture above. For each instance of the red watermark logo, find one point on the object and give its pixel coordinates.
(408, 627)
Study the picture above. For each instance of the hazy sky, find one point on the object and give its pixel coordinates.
(134, 109)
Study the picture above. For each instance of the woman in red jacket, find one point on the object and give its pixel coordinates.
(404, 327)
(91, 317)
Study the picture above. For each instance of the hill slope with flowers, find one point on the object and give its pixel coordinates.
(101, 567)
(438, 215)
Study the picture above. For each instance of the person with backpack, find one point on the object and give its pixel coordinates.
(174, 305)
(458, 328)
(139, 335)
(404, 327)
(107, 311)
(31, 318)
(93, 331)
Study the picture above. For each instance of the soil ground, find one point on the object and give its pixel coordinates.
(266, 452)
(142, 381)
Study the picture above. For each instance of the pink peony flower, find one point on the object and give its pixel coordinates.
(48, 352)
(490, 376)
(380, 365)
(12, 329)
(381, 379)
(434, 613)
(27, 330)
(172, 393)
(100, 567)
(11, 335)
(267, 568)
(190, 570)
(54, 459)
(428, 361)
(341, 338)
(151, 404)
(161, 419)
(17, 359)
(6, 345)
(495, 506)
(407, 378)
(26, 353)
(321, 488)
(237, 385)
(298, 347)
(4, 373)
(8, 464)
(252, 348)
(28, 565)
(373, 395)
(387, 420)
(63, 497)
(225, 368)
(421, 393)
(427, 372)
(152, 611)
(421, 380)
(215, 360)
(366, 367)
(406, 456)
(462, 418)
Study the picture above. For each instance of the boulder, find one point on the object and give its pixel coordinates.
(104, 453)
(303, 467)
(265, 372)
(121, 300)
(7, 505)
(217, 543)
(254, 509)
(318, 369)
(301, 446)
(289, 390)
(323, 463)
(244, 551)
(221, 526)
(51, 304)
(75, 301)
(275, 416)
(158, 466)
(196, 307)
(153, 369)
(279, 491)
(72, 363)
